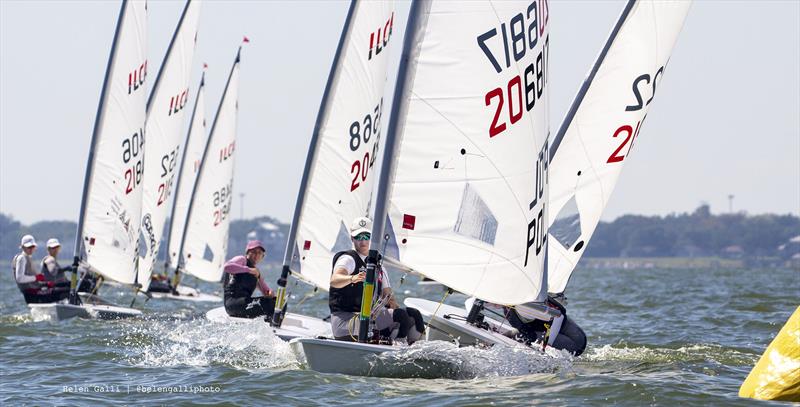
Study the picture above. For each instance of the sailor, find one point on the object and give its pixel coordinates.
(241, 280)
(160, 283)
(30, 282)
(560, 332)
(52, 271)
(346, 288)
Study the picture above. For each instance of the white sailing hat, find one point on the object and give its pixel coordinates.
(27, 241)
(359, 226)
(53, 243)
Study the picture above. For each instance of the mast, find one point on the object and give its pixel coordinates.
(180, 170)
(91, 161)
(573, 109)
(404, 77)
(280, 304)
(181, 261)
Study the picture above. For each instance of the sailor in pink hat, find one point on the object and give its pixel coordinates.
(241, 279)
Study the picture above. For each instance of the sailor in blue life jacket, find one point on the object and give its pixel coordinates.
(560, 331)
(31, 282)
(52, 271)
(347, 286)
(241, 279)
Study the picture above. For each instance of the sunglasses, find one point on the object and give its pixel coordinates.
(363, 236)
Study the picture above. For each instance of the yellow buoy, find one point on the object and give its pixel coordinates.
(776, 376)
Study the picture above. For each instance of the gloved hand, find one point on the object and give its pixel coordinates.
(40, 277)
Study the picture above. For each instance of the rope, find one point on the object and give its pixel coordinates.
(350, 326)
(305, 297)
(446, 293)
(97, 285)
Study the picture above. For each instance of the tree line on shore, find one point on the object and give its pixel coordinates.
(696, 234)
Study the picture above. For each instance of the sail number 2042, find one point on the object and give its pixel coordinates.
(518, 37)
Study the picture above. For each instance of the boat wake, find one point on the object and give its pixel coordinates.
(696, 353)
(199, 342)
(476, 362)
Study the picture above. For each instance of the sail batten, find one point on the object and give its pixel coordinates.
(603, 124)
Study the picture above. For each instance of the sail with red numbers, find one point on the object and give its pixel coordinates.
(468, 189)
(205, 238)
(340, 169)
(108, 226)
(166, 111)
(192, 154)
(602, 126)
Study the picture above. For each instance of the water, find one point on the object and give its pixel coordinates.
(656, 337)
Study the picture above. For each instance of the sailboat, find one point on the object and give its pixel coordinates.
(464, 175)
(204, 238)
(166, 109)
(107, 237)
(192, 156)
(352, 104)
(588, 152)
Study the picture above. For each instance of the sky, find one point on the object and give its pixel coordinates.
(726, 120)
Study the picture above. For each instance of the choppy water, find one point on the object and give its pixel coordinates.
(655, 338)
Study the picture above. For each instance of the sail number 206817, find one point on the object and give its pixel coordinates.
(518, 37)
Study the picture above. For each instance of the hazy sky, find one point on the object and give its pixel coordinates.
(726, 119)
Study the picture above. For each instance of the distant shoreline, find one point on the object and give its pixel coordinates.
(686, 263)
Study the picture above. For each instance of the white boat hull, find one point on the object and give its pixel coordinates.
(449, 324)
(187, 294)
(293, 326)
(62, 311)
(363, 359)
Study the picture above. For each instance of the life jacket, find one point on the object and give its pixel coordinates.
(30, 287)
(348, 298)
(52, 275)
(240, 285)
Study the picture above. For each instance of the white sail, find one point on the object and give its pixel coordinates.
(467, 198)
(190, 164)
(341, 170)
(166, 110)
(205, 241)
(603, 124)
(112, 198)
